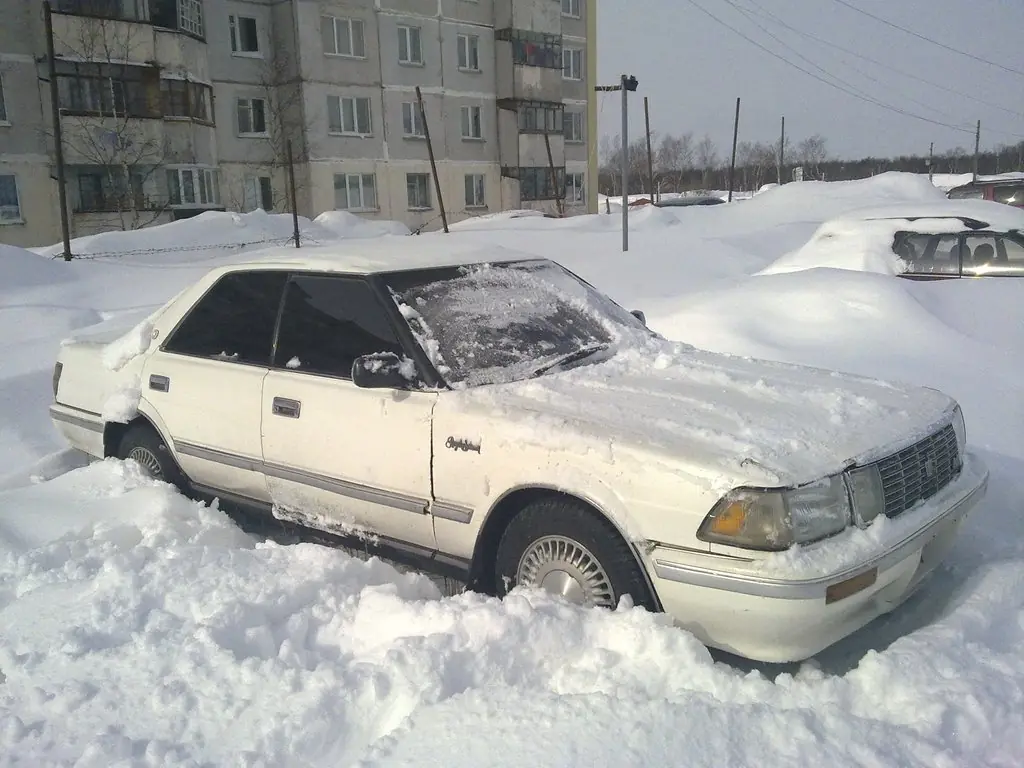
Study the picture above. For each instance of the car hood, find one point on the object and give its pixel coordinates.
(731, 420)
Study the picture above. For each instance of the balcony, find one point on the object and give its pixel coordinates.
(184, 16)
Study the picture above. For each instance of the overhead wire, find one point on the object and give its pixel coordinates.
(885, 65)
(840, 87)
(927, 39)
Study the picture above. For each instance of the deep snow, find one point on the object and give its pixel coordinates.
(138, 628)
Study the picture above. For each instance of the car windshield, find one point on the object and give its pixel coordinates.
(489, 324)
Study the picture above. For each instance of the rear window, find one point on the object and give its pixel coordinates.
(1009, 195)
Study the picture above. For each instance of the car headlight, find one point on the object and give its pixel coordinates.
(960, 427)
(867, 493)
(775, 519)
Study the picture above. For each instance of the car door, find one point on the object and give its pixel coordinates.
(205, 382)
(338, 457)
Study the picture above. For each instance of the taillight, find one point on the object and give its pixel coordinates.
(57, 369)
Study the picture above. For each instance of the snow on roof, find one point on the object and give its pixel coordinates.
(995, 215)
(369, 257)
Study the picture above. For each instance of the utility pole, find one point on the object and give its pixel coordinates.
(977, 146)
(735, 135)
(559, 201)
(433, 163)
(58, 134)
(650, 154)
(782, 151)
(626, 84)
(931, 161)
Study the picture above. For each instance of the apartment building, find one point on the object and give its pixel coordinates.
(172, 107)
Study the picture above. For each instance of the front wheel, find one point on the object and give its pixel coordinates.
(558, 545)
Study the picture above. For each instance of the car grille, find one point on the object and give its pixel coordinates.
(920, 471)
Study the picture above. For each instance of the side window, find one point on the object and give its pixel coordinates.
(989, 254)
(234, 321)
(330, 321)
(930, 254)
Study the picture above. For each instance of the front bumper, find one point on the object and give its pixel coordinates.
(777, 619)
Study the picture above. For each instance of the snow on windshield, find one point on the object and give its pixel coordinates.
(488, 324)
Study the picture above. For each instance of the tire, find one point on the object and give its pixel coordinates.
(143, 444)
(560, 545)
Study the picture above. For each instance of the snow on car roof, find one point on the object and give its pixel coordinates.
(391, 255)
(994, 215)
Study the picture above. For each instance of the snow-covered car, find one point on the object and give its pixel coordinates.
(495, 417)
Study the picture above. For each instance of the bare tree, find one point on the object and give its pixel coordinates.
(811, 152)
(707, 158)
(105, 99)
(674, 158)
(285, 122)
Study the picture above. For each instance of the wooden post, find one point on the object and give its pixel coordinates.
(977, 146)
(735, 135)
(433, 163)
(559, 201)
(650, 154)
(295, 201)
(782, 151)
(58, 134)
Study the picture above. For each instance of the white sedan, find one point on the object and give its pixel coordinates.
(494, 417)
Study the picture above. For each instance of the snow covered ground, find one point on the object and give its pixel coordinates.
(139, 628)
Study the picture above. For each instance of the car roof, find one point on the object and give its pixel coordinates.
(368, 257)
(974, 214)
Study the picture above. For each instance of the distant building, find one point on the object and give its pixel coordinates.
(173, 107)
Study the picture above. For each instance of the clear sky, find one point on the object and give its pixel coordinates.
(692, 68)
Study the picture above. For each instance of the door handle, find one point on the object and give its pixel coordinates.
(159, 383)
(282, 406)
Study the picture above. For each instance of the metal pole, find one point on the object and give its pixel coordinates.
(650, 154)
(625, 165)
(433, 163)
(782, 150)
(735, 135)
(977, 146)
(58, 134)
(291, 184)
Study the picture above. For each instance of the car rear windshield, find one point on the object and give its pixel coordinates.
(488, 324)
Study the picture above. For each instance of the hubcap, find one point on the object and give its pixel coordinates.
(147, 460)
(567, 568)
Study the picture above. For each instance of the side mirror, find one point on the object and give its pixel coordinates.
(382, 370)
(639, 315)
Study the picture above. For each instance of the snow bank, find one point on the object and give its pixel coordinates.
(20, 269)
(343, 224)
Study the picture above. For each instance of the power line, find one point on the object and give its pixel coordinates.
(856, 95)
(884, 65)
(919, 36)
(750, 15)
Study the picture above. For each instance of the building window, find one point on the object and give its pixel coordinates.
(193, 186)
(244, 38)
(533, 49)
(410, 51)
(574, 190)
(349, 116)
(472, 123)
(469, 53)
(342, 37)
(180, 98)
(571, 8)
(541, 183)
(355, 192)
(572, 63)
(476, 185)
(90, 192)
(3, 102)
(110, 90)
(574, 127)
(252, 117)
(128, 10)
(10, 206)
(258, 193)
(417, 186)
(541, 117)
(412, 120)
(190, 16)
